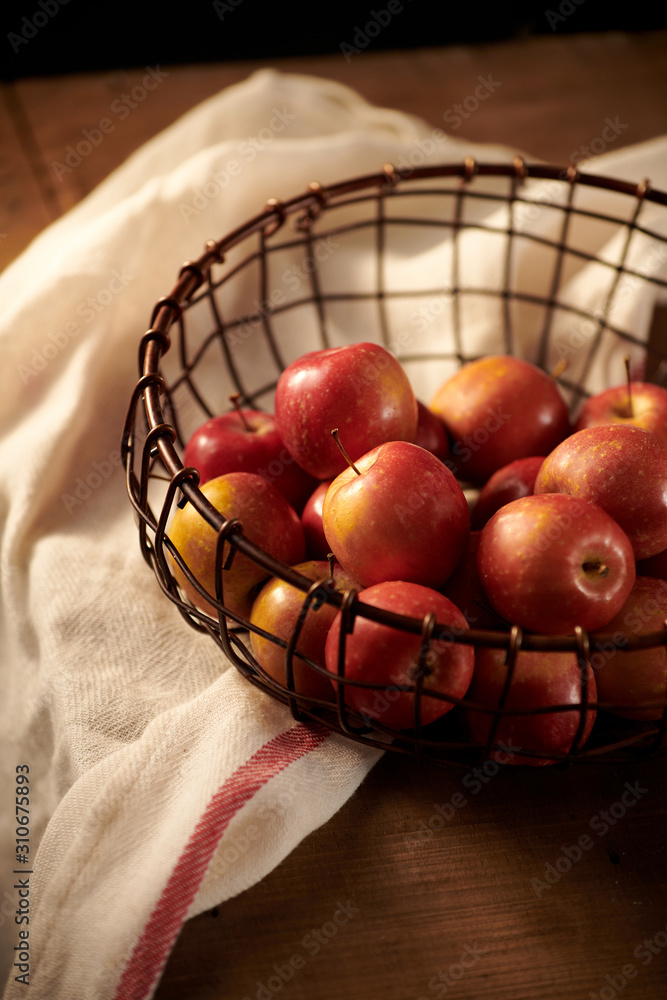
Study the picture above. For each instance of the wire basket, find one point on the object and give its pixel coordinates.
(229, 326)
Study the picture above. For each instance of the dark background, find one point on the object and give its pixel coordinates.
(44, 37)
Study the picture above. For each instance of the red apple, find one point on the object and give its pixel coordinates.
(634, 678)
(498, 409)
(464, 589)
(549, 563)
(317, 545)
(268, 521)
(512, 482)
(622, 469)
(654, 566)
(431, 433)
(247, 441)
(645, 407)
(276, 610)
(539, 680)
(398, 515)
(388, 657)
(360, 389)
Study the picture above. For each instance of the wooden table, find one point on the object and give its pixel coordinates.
(536, 883)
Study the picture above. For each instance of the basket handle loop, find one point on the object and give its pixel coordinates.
(314, 598)
(279, 211)
(583, 657)
(347, 610)
(313, 211)
(222, 563)
(422, 668)
(513, 650)
(191, 474)
(469, 168)
(390, 178)
(520, 168)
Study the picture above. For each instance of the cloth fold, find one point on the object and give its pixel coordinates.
(161, 783)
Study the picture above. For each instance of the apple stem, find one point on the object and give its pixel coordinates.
(331, 559)
(341, 449)
(626, 361)
(596, 567)
(235, 399)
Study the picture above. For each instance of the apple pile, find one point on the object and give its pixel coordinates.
(359, 487)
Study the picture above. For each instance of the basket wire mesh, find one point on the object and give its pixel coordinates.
(228, 308)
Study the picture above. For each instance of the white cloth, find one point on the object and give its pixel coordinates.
(161, 783)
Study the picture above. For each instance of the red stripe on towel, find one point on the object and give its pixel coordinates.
(153, 947)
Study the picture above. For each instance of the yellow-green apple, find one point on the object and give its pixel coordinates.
(622, 469)
(246, 440)
(268, 521)
(551, 562)
(431, 432)
(498, 409)
(317, 545)
(276, 610)
(361, 389)
(464, 589)
(539, 680)
(634, 679)
(397, 514)
(644, 405)
(388, 658)
(512, 482)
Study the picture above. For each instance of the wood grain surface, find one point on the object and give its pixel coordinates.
(533, 889)
(526, 884)
(551, 98)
